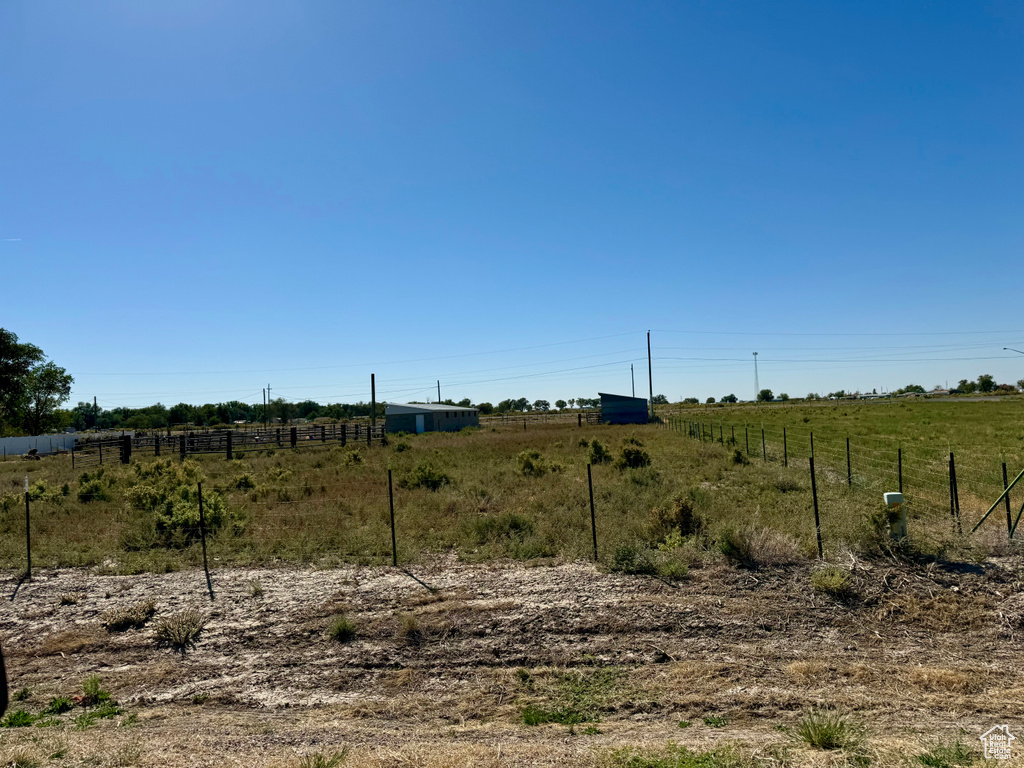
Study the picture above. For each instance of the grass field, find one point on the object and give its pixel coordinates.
(523, 494)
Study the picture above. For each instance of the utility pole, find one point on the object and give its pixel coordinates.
(264, 408)
(373, 402)
(633, 380)
(650, 380)
(439, 390)
(757, 387)
(267, 409)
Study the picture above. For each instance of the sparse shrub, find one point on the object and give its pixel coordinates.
(787, 485)
(830, 729)
(598, 453)
(127, 617)
(738, 457)
(678, 517)
(180, 630)
(244, 482)
(255, 588)
(19, 718)
(632, 456)
(505, 526)
(949, 755)
(632, 559)
(93, 693)
(320, 760)
(92, 487)
(342, 630)
(410, 630)
(751, 547)
(715, 721)
(531, 463)
(22, 695)
(351, 457)
(58, 705)
(71, 598)
(832, 581)
(425, 476)
(534, 715)
(401, 446)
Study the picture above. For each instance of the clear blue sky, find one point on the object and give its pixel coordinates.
(198, 198)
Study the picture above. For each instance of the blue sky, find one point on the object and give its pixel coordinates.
(199, 198)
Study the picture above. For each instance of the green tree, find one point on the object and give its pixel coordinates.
(783, 397)
(16, 360)
(660, 400)
(986, 383)
(765, 396)
(47, 387)
(465, 403)
(560, 404)
(541, 405)
(730, 399)
(485, 408)
(710, 400)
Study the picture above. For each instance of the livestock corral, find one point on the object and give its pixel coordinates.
(707, 631)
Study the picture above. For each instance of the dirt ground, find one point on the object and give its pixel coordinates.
(446, 656)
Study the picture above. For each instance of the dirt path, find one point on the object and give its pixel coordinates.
(446, 657)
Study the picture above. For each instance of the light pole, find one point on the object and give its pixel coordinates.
(757, 389)
(1011, 349)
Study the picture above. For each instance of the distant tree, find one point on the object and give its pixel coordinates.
(47, 387)
(986, 383)
(16, 360)
(560, 404)
(730, 399)
(967, 387)
(691, 401)
(839, 394)
(1020, 384)
(813, 396)
(911, 389)
(710, 400)
(572, 402)
(505, 406)
(783, 397)
(465, 403)
(541, 405)
(485, 408)
(765, 396)
(660, 400)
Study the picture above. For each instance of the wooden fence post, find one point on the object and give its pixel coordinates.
(849, 467)
(1006, 484)
(202, 536)
(28, 535)
(230, 454)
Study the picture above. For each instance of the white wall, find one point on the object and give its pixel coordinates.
(15, 446)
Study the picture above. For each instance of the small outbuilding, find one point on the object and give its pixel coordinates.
(621, 409)
(430, 417)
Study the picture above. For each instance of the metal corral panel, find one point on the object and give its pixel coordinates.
(622, 409)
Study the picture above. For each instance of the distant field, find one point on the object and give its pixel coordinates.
(493, 498)
(982, 434)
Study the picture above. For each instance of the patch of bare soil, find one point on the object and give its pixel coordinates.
(445, 658)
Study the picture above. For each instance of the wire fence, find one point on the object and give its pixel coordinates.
(965, 488)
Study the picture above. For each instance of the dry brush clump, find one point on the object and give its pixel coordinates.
(126, 617)
(180, 630)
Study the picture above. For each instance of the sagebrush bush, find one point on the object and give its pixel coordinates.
(598, 453)
(342, 629)
(829, 730)
(180, 630)
(126, 617)
(425, 476)
(531, 463)
(751, 547)
(832, 580)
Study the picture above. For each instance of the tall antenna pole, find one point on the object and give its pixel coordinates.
(757, 387)
(373, 402)
(632, 379)
(650, 380)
